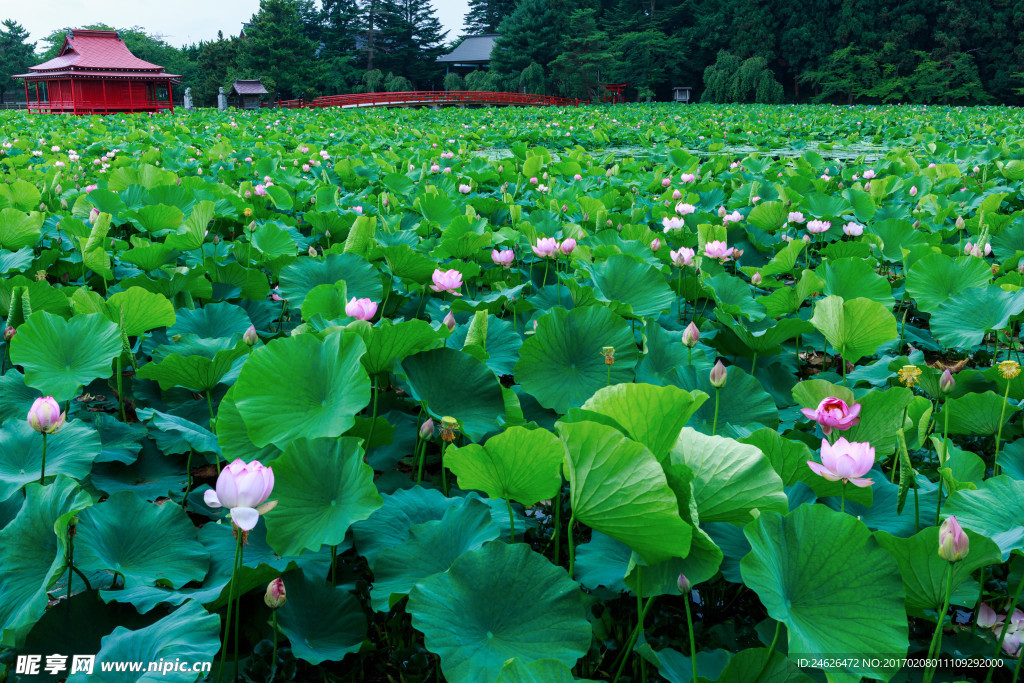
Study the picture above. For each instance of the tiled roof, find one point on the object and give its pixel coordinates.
(146, 75)
(84, 49)
(248, 87)
(472, 49)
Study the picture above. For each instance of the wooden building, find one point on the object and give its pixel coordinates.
(246, 94)
(96, 73)
(473, 53)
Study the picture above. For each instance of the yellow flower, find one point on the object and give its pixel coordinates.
(449, 427)
(247, 212)
(1009, 369)
(40, 275)
(909, 374)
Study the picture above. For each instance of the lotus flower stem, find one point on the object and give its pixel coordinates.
(188, 479)
(689, 355)
(42, 466)
(558, 524)
(714, 423)
(1006, 627)
(120, 391)
(375, 392)
(943, 456)
(640, 617)
(227, 611)
(273, 656)
(842, 500)
(693, 641)
(753, 364)
(334, 562)
(936, 645)
(544, 282)
(624, 656)
(422, 455)
(999, 433)
(213, 427)
(511, 522)
(238, 599)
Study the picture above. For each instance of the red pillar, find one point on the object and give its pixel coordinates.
(103, 83)
(26, 96)
(170, 95)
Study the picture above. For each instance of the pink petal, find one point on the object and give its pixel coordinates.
(245, 517)
(211, 499)
(227, 488)
(818, 469)
(861, 483)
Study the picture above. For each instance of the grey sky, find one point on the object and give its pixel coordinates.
(179, 21)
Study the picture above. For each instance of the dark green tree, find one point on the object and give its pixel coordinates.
(585, 55)
(277, 48)
(410, 41)
(484, 16)
(340, 36)
(532, 33)
(16, 55)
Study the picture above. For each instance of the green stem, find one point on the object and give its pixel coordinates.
(624, 657)
(771, 651)
(544, 282)
(936, 645)
(693, 641)
(213, 427)
(273, 657)
(679, 286)
(842, 501)
(511, 522)
(843, 361)
(640, 616)
(42, 467)
(569, 540)
(444, 474)
(558, 524)
(120, 391)
(1006, 627)
(188, 479)
(714, 423)
(334, 561)
(999, 434)
(689, 355)
(917, 505)
(943, 454)
(608, 382)
(375, 390)
(421, 457)
(238, 599)
(227, 612)
(753, 364)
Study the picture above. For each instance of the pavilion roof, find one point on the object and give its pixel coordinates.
(85, 50)
(248, 87)
(473, 49)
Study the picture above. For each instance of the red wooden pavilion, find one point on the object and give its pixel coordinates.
(96, 73)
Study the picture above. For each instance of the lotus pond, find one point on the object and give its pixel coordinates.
(628, 393)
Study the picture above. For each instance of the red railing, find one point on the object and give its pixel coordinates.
(430, 97)
(71, 106)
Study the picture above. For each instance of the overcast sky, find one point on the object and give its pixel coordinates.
(179, 21)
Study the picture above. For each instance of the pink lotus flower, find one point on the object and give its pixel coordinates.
(687, 178)
(567, 246)
(913, 191)
(734, 217)
(260, 190)
(685, 209)
(796, 217)
(434, 168)
(361, 309)
(690, 335)
(672, 223)
(818, 227)
(718, 250)
(869, 174)
(242, 488)
(447, 281)
(833, 413)
(305, 168)
(503, 258)
(682, 256)
(465, 189)
(655, 244)
(45, 416)
(845, 461)
(546, 247)
(677, 195)
(577, 177)
(275, 294)
(853, 229)
(665, 182)
(90, 188)
(953, 542)
(533, 181)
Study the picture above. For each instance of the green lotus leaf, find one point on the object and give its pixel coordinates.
(142, 542)
(852, 278)
(976, 414)
(623, 279)
(618, 488)
(322, 487)
(855, 328)
(233, 437)
(749, 666)
(143, 310)
(743, 404)
(211, 321)
(322, 622)
(650, 415)
(159, 218)
(430, 549)
(994, 510)
(32, 558)
(189, 634)
(449, 382)
(524, 465)
(813, 566)
(389, 343)
(390, 524)
(70, 451)
(762, 338)
(59, 356)
(362, 280)
(561, 365)
(937, 278)
(497, 603)
(502, 344)
(334, 387)
(925, 573)
(19, 230)
(731, 479)
(962, 321)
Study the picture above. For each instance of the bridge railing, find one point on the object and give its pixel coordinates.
(384, 99)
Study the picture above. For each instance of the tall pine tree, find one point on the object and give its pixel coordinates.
(340, 38)
(16, 55)
(409, 42)
(277, 49)
(484, 16)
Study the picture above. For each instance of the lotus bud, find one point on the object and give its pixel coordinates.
(722, 212)
(312, 251)
(916, 224)
(42, 206)
(960, 223)
(427, 428)
(9, 333)
(45, 416)
(946, 382)
(913, 191)
(953, 542)
(683, 583)
(93, 216)
(655, 244)
(64, 204)
(216, 239)
(58, 189)
(250, 337)
(718, 375)
(275, 596)
(807, 239)
(690, 335)
(755, 279)
(449, 321)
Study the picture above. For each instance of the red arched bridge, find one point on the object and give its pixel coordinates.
(432, 98)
